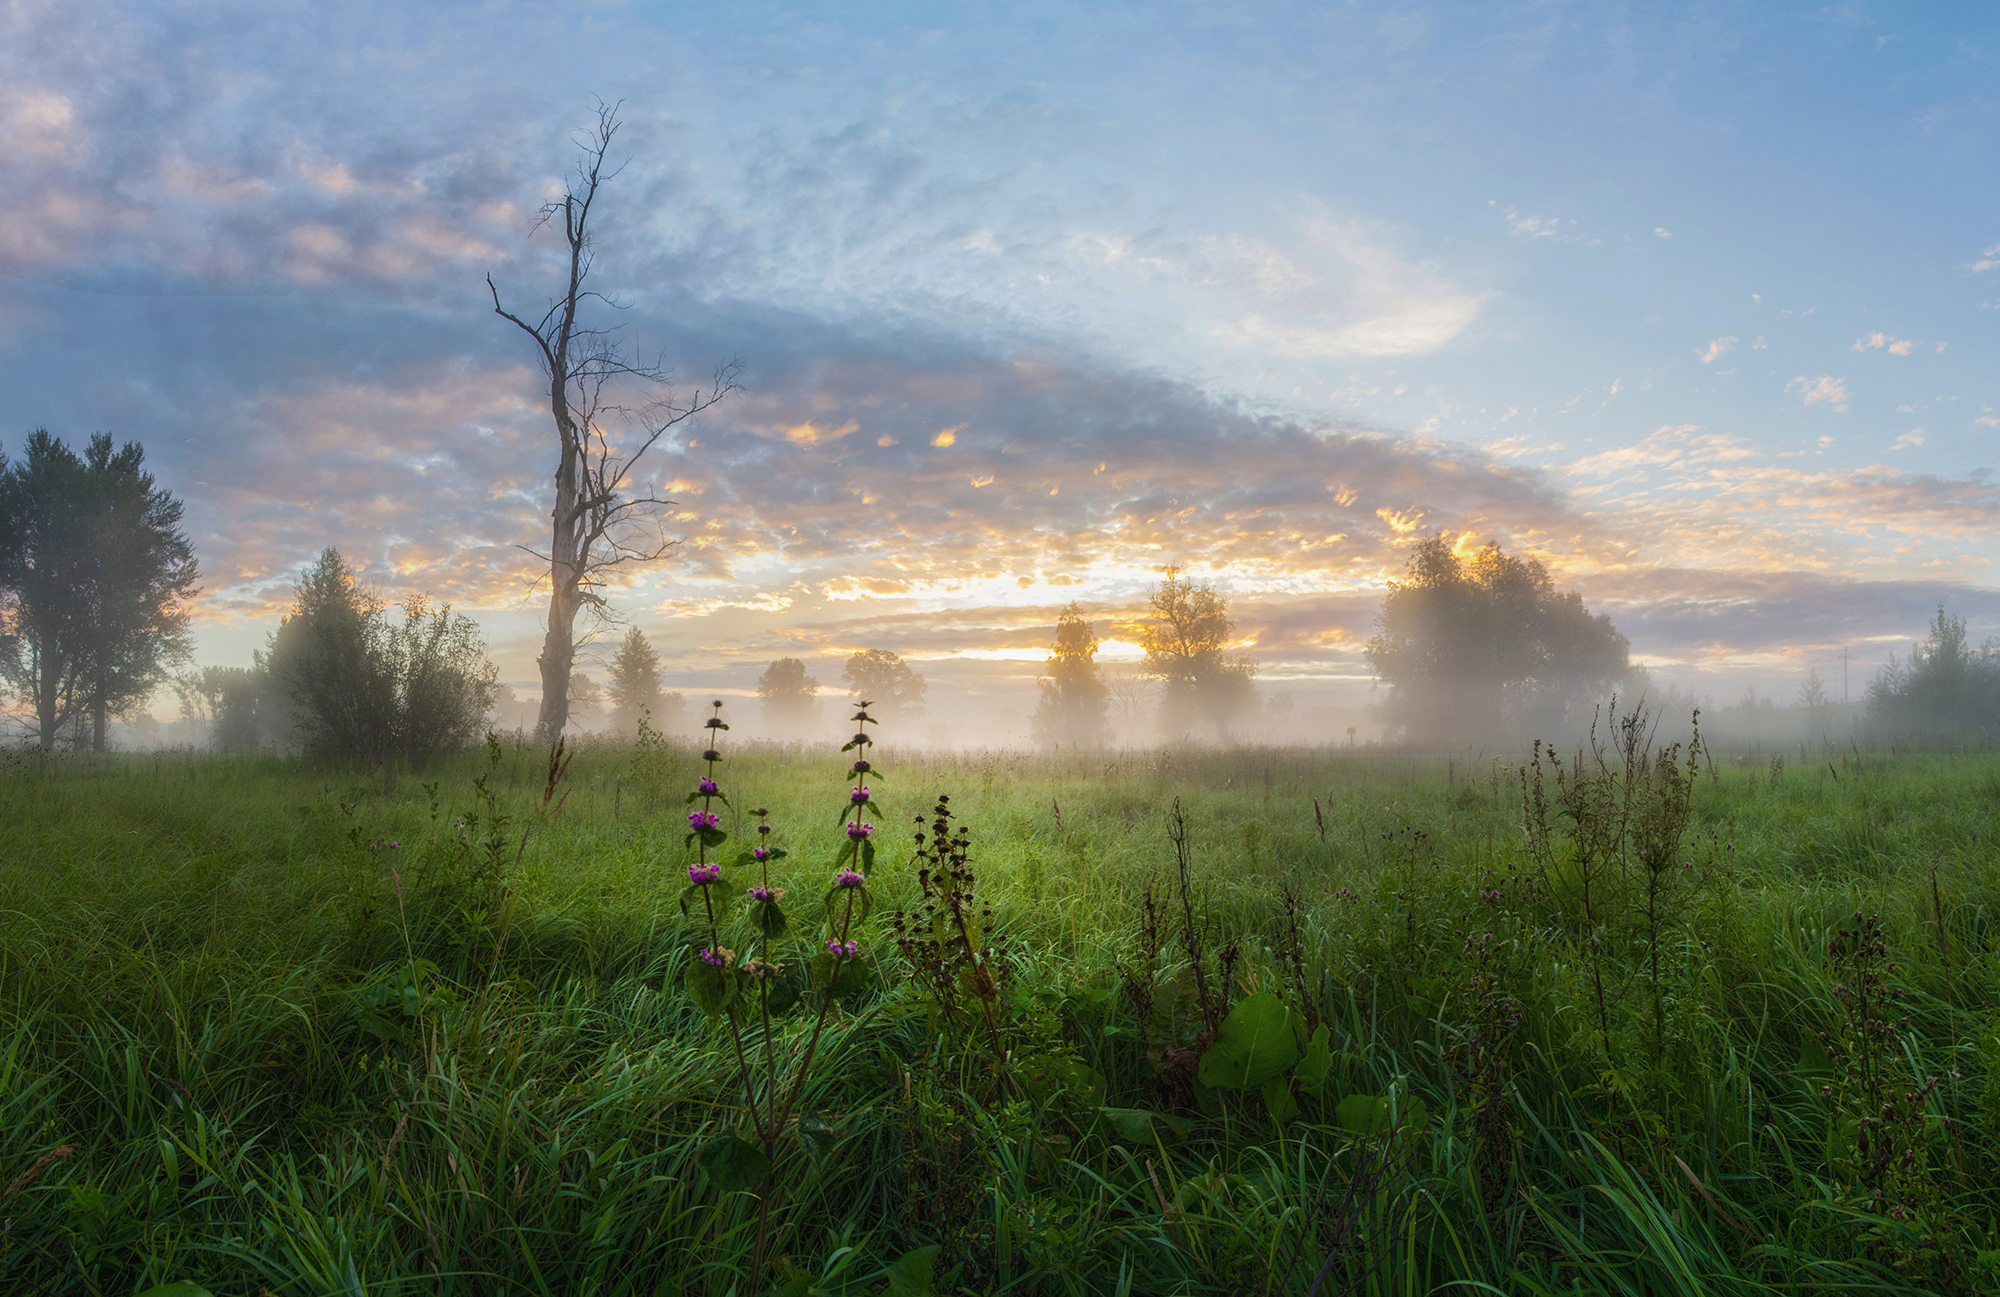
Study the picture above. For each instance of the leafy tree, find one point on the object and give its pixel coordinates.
(598, 522)
(1186, 642)
(1947, 689)
(1486, 646)
(95, 575)
(634, 687)
(1075, 702)
(1812, 691)
(584, 695)
(886, 680)
(791, 697)
(232, 700)
(374, 690)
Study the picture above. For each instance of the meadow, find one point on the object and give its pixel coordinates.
(1250, 1020)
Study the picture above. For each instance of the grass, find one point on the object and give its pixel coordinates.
(248, 1044)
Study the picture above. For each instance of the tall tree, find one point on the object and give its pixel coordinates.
(791, 697)
(1075, 702)
(1187, 650)
(886, 680)
(1486, 646)
(95, 575)
(633, 685)
(1947, 689)
(597, 521)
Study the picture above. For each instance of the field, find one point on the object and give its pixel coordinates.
(1376, 1024)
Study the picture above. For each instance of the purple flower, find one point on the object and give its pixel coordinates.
(717, 958)
(759, 892)
(704, 874)
(843, 949)
(859, 831)
(708, 787)
(859, 795)
(848, 878)
(762, 853)
(703, 819)
(862, 767)
(1490, 895)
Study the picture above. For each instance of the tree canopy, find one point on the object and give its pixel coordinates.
(1947, 689)
(633, 686)
(1187, 650)
(1075, 702)
(791, 697)
(95, 575)
(1484, 645)
(886, 680)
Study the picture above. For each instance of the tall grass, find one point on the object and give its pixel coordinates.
(248, 1043)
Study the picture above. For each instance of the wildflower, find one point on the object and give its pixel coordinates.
(704, 874)
(1491, 894)
(703, 819)
(718, 958)
(848, 878)
(711, 755)
(843, 949)
(759, 892)
(859, 795)
(859, 832)
(862, 767)
(762, 853)
(708, 787)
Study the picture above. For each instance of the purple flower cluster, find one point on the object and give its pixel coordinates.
(862, 767)
(704, 874)
(1490, 894)
(717, 958)
(703, 819)
(759, 892)
(1345, 894)
(762, 853)
(848, 878)
(859, 795)
(859, 831)
(843, 949)
(707, 787)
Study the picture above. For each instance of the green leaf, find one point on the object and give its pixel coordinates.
(181, 1288)
(845, 854)
(1278, 1100)
(784, 989)
(1256, 1043)
(733, 1164)
(817, 1133)
(711, 988)
(1313, 1069)
(853, 976)
(910, 1274)
(770, 919)
(720, 892)
(1140, 1126)
(1380, 1114)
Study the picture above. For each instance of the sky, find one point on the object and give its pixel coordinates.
(1697, 303)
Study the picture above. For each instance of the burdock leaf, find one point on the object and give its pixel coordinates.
(1256, 1043)
(733, 1164)
(1278, 1100)
(1311, 1073)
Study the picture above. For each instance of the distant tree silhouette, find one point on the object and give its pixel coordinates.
(791, 697)
(1486, 646)
(95, 575)
(1947, 689)
(1812, 691)
(886, 680)
(1075, 701)
(633, 685)
(1186, 642)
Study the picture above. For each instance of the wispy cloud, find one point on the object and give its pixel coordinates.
(1879, 340)
(1718, 347)
(1823, 390)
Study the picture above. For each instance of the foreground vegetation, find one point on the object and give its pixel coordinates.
(1300, 1021)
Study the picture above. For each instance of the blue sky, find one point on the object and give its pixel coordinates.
(1697, 302)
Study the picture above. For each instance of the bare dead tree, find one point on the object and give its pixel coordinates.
(599, 521)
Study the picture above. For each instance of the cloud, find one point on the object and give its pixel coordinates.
(1670, 446)
(1914, 437)
(1718, 347)
(1881, 340)
(1824, 390)
(1989, 258)
(1661, 232)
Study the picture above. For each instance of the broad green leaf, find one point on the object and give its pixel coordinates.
(1311, 1073)
(910, 1274)
(710, 988)
(1255, 1044)
(1380, 1114)
(770, 919)
(719, 894)
(1278, 1100)
(732, 1163)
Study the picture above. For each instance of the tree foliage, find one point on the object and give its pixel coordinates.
(1946, 690)
(633, 686)
(95, 575)
(885, 680)
(368, 687)
(1187, 650)
(791, 697)
(1483, 646)
(1075, 702)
